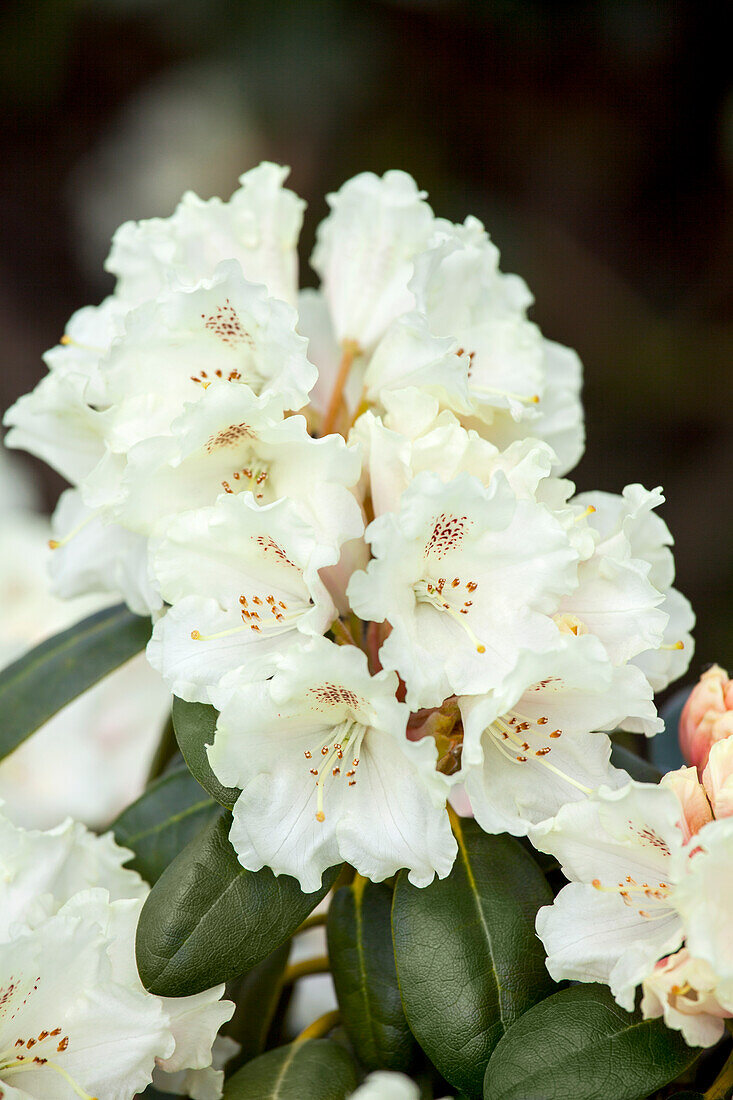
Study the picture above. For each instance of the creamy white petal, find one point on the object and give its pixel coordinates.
(95, 557)
(364, 253)
(592, 937)
(258, 227)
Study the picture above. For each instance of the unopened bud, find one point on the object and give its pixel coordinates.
(707, 716)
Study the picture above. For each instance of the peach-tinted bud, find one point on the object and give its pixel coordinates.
(718, 778)
(692, 799)
(707, 716)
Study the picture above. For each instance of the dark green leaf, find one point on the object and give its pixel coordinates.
(317, 1069)
(364, 974)
(163, 821)
(256, 996)
(195, 724)
(637, 768)
(207, 920)
(468, 960)
(579, 1043)
(39, 684)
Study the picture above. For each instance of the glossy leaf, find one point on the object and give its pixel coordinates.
(364, 975)
(208, 920)
(468, 960)
(39, 684)
(163, 821)
(195, 724)
(317, 1069)
(256, 996)
(579, 1043)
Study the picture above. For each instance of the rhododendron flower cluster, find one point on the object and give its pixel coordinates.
(347, 511)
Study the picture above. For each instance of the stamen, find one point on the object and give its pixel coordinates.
(502, 728)
(430, 593)
(56, 544)
(281, 623)
(69, 341)
(675, 645)
(588, 512)
(23, 1064)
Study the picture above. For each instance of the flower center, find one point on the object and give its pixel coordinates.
(343, 739)
(632, 893)
(449, 599)
(521, 740)
(253, 476)
(264, 616)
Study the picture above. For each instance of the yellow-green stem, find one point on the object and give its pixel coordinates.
(320, 1027)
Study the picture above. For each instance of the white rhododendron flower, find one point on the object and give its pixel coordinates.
(229, 443)
(466, 577)
(244, 587)
(532, 745)
(76, 1021)
(621, 851)
(327, 773)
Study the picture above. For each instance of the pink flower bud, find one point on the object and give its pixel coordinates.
(718, 778)
(692, 799)
(707, 716)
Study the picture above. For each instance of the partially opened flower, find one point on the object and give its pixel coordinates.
(244, 587)
(685, 991)
(466, 577)
(327, 773)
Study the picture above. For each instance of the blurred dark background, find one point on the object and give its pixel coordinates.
(594, 139)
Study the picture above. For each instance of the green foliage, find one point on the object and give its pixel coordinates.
(207, 919)
(39, 684)
(194, 725)
(256, 995)
(579, 1043)
(163, 820)
(637, 768)
(468, 960)
(364, 974)
(317, 1069)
